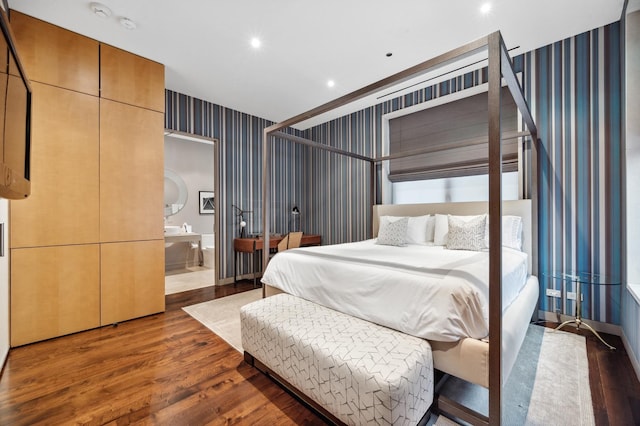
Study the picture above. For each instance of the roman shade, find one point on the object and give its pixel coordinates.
(455, 135)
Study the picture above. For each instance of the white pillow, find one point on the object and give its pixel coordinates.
(393, 232)
(441, 233)
(511, 232)
(466, 235)
(431, 227)
(417, 228)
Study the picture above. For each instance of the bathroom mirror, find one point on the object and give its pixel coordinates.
(175, 193)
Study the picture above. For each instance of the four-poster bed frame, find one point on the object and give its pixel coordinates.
(499, 67)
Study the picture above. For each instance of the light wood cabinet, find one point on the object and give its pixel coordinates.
(132, 280)
(56, 56)
(87, 247)
(54, 291)
(63, 206)
(131, 79)
(131, 173)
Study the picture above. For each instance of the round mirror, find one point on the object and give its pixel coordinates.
(175, 193)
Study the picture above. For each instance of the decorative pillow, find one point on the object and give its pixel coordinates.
(441, 232)
(393, 233)
(416, 228)
(466, 235)
(511, 232)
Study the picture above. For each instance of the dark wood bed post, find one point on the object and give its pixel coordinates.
(266, 214)
(495, 231)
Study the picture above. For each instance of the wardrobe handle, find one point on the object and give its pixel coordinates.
(1, 239)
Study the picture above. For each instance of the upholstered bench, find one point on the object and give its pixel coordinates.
(356, 371)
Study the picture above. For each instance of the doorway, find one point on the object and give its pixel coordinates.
(190, 207)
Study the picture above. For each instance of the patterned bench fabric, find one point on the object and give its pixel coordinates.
(361, 372)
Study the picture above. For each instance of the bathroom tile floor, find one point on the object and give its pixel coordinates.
(177, 281)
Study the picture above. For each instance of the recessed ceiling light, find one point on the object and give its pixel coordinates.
(485, 8)
(256, 43)
(128, 23)
(331, 83)
(100, 9)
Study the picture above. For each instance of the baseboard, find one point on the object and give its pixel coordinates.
(631, 354)
(602, 327)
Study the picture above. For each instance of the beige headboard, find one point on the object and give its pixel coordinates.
(520, 208)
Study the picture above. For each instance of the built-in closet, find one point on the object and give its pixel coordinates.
(87, 247)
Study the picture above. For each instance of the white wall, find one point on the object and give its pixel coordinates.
(193, 161)
(631, 307)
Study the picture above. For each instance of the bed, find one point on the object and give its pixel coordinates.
(470, 357)
(376, 282)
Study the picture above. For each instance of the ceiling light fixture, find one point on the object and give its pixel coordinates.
(255, 42)
(485, 8)
(100, 9)
(128, 23)
(331, 83)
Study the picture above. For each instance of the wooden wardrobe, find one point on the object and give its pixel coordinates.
(87, 247)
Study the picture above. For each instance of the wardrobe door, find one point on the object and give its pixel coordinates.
(56, 56)
(132, 280)
(63, 205)
(54, 291)
(131, 173)
(131, 79)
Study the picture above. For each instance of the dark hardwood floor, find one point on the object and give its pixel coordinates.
(169, 369)
(615, 389)
(164, 369)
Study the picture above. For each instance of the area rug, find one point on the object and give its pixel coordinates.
(222, 316)
(548, 385)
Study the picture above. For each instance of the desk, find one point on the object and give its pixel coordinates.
(580, 279)
(255, 246)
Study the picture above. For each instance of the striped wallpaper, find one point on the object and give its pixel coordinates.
(574, 92)
(240, 145)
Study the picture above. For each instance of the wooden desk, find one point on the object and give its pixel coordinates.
(255, 246)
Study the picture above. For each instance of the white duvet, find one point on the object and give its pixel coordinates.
(424, 291)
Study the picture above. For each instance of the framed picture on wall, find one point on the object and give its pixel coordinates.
(206, 202)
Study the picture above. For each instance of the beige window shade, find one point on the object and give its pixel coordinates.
(455, 135)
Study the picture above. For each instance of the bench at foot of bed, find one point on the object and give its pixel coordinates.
(355, 371)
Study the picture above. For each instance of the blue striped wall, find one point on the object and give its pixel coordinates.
(240, 148)
(574, 92)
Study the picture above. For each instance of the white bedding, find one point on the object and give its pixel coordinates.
(424, 291)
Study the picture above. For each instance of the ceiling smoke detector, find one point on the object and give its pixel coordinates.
(128, 23)
(101, 10)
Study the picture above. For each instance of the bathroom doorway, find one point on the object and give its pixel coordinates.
(190, 208)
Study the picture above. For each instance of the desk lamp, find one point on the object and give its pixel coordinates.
(242, 224)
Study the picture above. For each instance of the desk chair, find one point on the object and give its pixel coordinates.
(291, 240)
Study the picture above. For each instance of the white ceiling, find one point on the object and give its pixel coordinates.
(204, 44)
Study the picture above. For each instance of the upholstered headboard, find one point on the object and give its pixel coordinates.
(520, 208)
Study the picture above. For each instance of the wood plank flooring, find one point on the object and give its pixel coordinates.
(168, 369)
(165, 369)
(615, 390)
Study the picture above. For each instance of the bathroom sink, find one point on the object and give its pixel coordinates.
(172, 230)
